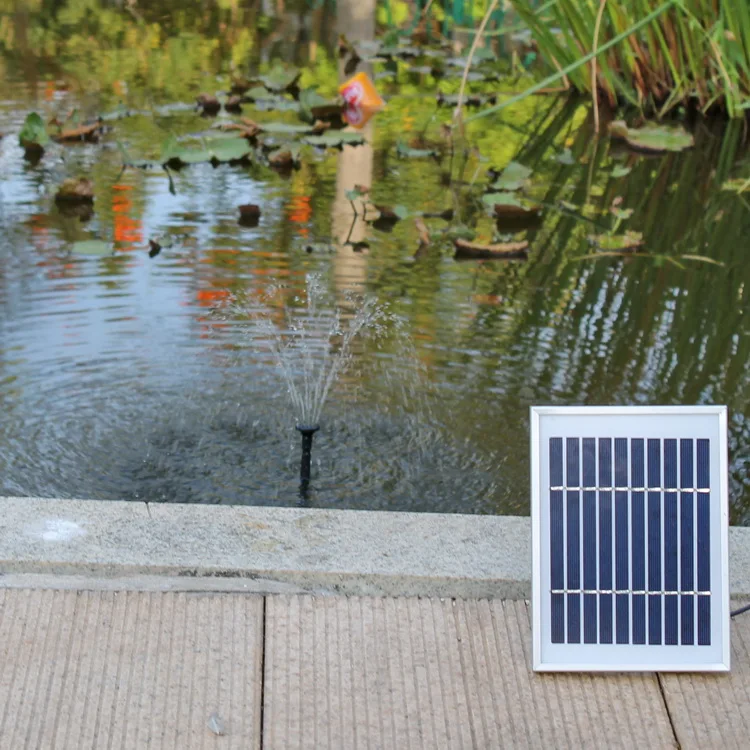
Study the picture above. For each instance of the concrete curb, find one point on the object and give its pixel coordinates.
(66, 543)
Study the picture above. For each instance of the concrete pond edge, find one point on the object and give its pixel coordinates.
(58, 543)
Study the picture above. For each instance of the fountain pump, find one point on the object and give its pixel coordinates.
(304, 469)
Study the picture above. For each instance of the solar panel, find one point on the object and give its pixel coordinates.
(630, 534)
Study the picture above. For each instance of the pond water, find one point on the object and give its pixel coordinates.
(126, 376)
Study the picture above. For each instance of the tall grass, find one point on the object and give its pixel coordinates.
(697, 52)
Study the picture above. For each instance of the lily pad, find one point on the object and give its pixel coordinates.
(96, 248)
(652, 138)
(284, 128)
(335, 140)
(509, 205)
(281, 79)
(617, 242)
(407, 152)
(313, 106)
(33, 135)
(217, 150)
(513, 177)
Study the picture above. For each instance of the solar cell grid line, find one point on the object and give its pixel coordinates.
(622, 542)
(589, 539)
(653, 555)
(670, 536)
(687, 553)
(606, 557)
(638, 546)
(573, 547)
(557, 541)
(703, 520)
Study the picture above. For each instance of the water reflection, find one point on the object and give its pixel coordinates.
(117, 381)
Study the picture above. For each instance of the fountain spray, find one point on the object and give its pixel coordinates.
(313, 349)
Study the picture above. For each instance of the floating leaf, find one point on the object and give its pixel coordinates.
(335, 139)
(407, 152)
(652, 138)
(313, 106)
(280, 79)
(33, 135)
(513, 177)
(510, 205)
(217, 150)
(284, 128)
(617, 242)
(91, 248)
(620, 171)
(460, 232)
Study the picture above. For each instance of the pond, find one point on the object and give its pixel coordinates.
(127, 375)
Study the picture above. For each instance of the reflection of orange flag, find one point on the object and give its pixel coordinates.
(362, 100)
(360, 92)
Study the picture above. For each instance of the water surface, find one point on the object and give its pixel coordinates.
(118, 379)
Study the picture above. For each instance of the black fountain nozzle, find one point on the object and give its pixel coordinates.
(304, 470)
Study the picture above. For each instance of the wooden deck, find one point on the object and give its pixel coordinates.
(107, 670)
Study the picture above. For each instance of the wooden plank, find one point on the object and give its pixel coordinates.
(88, 670)
(429, 673)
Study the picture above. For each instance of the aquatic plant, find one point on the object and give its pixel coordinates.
(694, 52)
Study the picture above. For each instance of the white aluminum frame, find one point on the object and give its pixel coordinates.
(537, 414)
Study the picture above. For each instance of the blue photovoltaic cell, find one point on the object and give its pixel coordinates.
(703, 543)
(589, 541)
(573, 479)
(622, 543)
(671, 634)
(557, 541)
(654, 543)
(638, 545)
(687, 558)
(605, 540)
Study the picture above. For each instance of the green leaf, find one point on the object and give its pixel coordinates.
(507, 205)
(34, 131)
(284, 128)
(617, 242)
(228, 149)
(406, 152)
(513, 177)
(460, 232)
(313, 106)
(401, 211)
(217, 149)
(96, 248)
(653, 138)
(620, 171)
(565, 157)
(621, 213)
(335, 139)
(280, 79)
